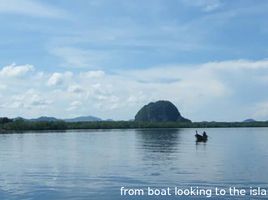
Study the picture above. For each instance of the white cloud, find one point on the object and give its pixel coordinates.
(57, 79)
(211, 91)
(75, 89)
(74, 105)
(14, 70)
(238, 64)
(93, 74)
(30, 99)
(77, 58)
(30, 8)
(261, 111)
(205, 5)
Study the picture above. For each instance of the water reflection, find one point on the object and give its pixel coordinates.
(157, 150)
(158, 140)
(200, 145)
(201, 142)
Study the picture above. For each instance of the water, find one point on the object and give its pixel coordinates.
(95, 164)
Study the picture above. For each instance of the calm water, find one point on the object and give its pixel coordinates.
(95, 164)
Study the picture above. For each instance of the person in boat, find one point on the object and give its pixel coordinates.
(205, 136)
(196, 133)
(198, 136)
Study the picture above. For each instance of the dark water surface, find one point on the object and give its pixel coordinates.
(95, 164)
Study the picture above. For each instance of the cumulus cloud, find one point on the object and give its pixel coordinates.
(227, 90)
(14, 70)
(93, 74)
(57, 79)
(29, 100)
(75, 89)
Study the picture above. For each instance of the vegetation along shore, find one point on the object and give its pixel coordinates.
(24, 125)
(160, 114)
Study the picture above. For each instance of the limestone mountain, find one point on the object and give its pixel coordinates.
(160, 111)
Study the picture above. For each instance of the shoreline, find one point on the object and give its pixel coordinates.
(21, 126)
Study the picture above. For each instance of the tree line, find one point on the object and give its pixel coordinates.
(7, 125)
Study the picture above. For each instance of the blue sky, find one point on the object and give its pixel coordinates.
(109, 57)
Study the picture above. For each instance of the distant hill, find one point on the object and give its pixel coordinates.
(53, 119)
(109, 120)
(83, 119)
(45, 119)
(19, 118)
(249, 120)
(160, 111)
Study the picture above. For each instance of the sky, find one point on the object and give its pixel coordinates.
(108, 58)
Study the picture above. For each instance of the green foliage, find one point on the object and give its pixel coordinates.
(4, 120)
(25, 125)
(22, 125)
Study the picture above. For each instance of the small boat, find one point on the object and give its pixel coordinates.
(201, 138)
